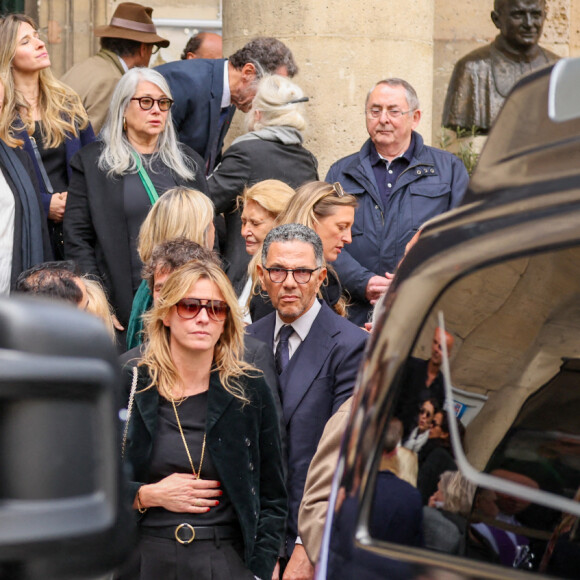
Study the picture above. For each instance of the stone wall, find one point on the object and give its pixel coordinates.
(342, 48)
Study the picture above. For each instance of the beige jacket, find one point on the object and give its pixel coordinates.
(95, 80)
(314, 505)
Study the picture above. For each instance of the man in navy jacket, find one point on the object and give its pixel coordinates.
(400, 183)
(317, 351)
(207, 92)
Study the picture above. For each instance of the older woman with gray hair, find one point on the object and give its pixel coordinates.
(116, 180)
(271, 149)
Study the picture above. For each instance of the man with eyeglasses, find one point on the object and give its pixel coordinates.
(207, 92)
(399, 183)
(317, 355)
(127, 42)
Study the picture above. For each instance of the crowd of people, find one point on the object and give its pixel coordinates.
(236, 284)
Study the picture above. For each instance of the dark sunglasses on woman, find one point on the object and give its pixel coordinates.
(189, 308)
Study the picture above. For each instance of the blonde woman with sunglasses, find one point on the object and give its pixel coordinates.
(203, 440)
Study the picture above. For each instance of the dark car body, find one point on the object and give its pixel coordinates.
(503, 269)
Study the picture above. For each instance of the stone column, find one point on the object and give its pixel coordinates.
(342, 49)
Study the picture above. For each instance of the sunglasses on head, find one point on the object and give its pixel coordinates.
(189, 308)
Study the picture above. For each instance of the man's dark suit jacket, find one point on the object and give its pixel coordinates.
(318, 379)
(197, 86)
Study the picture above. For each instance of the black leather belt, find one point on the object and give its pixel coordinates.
(186, 533)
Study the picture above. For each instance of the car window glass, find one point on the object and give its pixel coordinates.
(514, 342)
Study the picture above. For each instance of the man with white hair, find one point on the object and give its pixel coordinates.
(399, 183)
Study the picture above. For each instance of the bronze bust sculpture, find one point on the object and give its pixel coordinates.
(483, 78)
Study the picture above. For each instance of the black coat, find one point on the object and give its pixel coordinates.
(319, 378)
(435, 457)
(245, 163)
(244, 445)
(95, 229)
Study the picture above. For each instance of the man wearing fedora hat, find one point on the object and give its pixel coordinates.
(127, 42)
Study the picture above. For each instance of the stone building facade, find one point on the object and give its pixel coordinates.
(342, 47)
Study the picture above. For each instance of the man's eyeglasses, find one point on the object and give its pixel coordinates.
(301, 275)
(156, 49)
(189, 308)
(376, 112)
(146, 103)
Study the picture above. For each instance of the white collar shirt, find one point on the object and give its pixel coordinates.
(226, 95)
(301, 326)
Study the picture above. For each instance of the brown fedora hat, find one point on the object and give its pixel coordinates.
(133, 22)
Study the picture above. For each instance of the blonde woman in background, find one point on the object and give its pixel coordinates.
(23, 230)
(271, 149)
(42, 115)
(329, 211)
(262, 204)
(179, 213)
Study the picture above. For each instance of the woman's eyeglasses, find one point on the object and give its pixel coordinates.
(189, 308)
(426, 412)
(146, 103)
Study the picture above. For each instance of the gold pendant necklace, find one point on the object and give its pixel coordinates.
(197, 474)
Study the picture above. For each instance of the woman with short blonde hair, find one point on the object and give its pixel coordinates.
(211, 469)
(262, 204)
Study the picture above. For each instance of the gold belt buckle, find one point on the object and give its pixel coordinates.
(187, 527)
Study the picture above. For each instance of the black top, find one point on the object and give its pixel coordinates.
(137, 204)
(169, 456)
(54, 161)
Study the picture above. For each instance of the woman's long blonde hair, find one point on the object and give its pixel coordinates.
(179, 213)
(312, 202)
(62, 110)
(229, 349)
